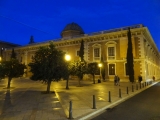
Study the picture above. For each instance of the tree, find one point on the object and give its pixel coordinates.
(48, 65)
(92, 69)
(13, 69)
(2, 71)
(81, 52)
(78, 69)
(130, 57)
(31, 40)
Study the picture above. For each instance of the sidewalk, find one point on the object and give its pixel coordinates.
(24, 101)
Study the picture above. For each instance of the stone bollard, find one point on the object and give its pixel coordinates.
(94, 102)
(127, 90)
(136, 87)
(120, 93)
(132, 88)
(70, 110)
(109, 96)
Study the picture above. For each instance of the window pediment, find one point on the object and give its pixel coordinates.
(96, 45)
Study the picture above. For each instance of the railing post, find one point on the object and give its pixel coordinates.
(94, 102)
(70, 110)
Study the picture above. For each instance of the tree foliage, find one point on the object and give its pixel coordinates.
(11, 69)
(78, 69)
(2, 71)
(130, 57)
(48, 64)
(92, 69)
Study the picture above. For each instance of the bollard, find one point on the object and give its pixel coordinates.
(70, 110)
(132, 88)
(120, 93)
(136, 87)
(145, 84)
(140, 85)
(109, 95)
(127, 90)
(94, 102)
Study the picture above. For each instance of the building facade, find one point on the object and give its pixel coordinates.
(3, 46)
(111, 45)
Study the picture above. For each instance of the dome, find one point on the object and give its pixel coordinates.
(72, 29)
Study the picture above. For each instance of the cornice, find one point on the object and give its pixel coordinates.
(93, 37)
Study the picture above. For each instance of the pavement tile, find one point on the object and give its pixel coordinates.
(26, 102)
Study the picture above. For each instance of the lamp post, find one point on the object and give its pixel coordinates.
(67, 58)
(0, 59)
(100, 65)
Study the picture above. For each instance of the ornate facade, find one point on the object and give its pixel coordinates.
(109, 44)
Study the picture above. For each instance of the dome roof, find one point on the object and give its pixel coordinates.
(73, 27)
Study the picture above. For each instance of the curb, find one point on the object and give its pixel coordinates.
(89, 116)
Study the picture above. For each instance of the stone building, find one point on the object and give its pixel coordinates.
(109, 44)
(3, 46)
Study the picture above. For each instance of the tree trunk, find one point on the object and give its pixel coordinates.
(79, 82)
(67, 83)
(9, 82)
(48, 86)
(93, 79)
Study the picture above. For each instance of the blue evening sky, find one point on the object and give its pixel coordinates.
(45, 19)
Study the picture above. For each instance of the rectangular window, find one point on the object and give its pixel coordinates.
(111, 53)
(96, 52)
(111, 69)
(77, 52)
(126, 69)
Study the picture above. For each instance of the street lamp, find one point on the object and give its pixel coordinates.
(67, 58)
(100, 66)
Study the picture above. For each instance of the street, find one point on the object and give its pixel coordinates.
(143, 106)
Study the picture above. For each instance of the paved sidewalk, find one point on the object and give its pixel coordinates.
(24, 101)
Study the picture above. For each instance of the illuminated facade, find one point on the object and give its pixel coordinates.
(3, 46)
(109, 44)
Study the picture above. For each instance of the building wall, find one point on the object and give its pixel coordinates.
(145, 52)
